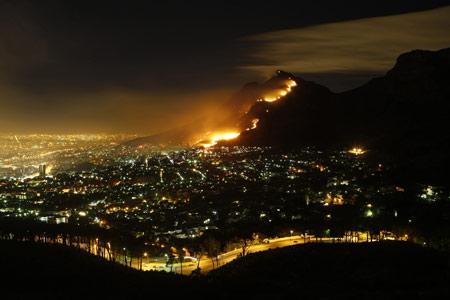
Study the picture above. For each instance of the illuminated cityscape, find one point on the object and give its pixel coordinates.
(248, 150)
(173, 197)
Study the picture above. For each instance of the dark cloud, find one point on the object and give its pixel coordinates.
(346, 54)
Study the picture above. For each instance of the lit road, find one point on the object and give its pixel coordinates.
(206, 263)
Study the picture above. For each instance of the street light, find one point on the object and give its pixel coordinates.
(291, 233)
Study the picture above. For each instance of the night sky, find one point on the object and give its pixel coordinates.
(141, 67)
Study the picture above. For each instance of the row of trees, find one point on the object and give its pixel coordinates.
(111, 244)
(430, 226)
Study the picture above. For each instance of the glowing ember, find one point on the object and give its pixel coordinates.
(271, 99)
(254, 123)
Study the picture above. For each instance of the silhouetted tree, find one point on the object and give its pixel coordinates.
(212, 247)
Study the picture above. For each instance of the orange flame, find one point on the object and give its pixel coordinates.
(220, 137)
(289, 84)
(254, 124)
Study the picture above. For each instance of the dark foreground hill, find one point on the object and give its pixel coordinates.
(36, 271)
(385, 270)
(389, 270)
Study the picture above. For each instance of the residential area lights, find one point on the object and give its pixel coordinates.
(167, 192)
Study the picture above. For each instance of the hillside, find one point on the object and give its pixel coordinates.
(385, 270)
(37, 271)
(229, 116)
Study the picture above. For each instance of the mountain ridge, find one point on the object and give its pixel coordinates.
(402, 115)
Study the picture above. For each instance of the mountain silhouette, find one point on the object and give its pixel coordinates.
(401, 116)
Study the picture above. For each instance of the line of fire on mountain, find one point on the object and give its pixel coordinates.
(277, 94)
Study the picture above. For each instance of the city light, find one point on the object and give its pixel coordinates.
(356, 151)
(150, 186)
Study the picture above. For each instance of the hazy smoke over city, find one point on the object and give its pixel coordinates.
(61, 77)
